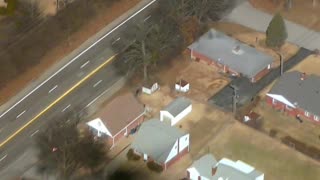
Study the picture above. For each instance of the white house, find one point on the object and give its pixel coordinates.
(182, 86)
(207, 168)
(150, 88)
(176, 110)
(159, 142)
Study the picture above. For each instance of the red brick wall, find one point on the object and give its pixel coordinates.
(202, 58)
(131, 126)
(119, 136)
(290, 111)
(176, 158)
(260, 75)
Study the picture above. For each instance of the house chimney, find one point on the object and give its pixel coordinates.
(213, 171)
(303, 76)
(237, 48)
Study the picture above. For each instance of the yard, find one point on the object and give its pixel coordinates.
(302, 12)
(217, 133)
(212, 130)
(310, 65)
(307, 132)
(276, 160)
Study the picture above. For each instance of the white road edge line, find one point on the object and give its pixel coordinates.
(133, 15)
(115, 40)
(53, 89)
(95, 99)
(3, 157)
(146, 19)
(66, 108)
(34, 133)
(83, 65)
(97, 83)
(20, 114)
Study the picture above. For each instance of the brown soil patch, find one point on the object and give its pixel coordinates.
(302, 12)
(56, 54)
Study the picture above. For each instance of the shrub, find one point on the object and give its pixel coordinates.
(273, 133)
(3, 11)
(153, 166)
(132, 156)
(11, 6)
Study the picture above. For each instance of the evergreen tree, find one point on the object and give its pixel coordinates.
(276, 32)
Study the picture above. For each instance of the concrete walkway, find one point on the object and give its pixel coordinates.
(248, 16)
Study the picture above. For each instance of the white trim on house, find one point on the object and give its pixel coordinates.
(281, 99)
(98, 125)
(130, 123)
(173, 152)
(307, 113)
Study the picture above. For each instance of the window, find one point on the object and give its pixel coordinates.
(274, 101)
(316, 118)
(186, 138)
(306, 113)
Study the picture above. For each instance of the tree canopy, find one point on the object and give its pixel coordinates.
(63, 149)
(276, 32)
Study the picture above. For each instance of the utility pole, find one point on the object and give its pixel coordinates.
(234, 99)
(281, 63)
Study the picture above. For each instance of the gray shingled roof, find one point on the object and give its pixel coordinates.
(217, 46)
(306, 93)
(231, 173)
(204, 165)
(178, 105)
(156, 139)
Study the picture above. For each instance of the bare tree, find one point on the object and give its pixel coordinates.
(63, 151)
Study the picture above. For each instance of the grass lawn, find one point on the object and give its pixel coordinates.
(267, 155)
(307, 132)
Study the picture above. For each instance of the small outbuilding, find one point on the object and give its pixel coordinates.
(150, 88)
(182, 86)
(176, 110)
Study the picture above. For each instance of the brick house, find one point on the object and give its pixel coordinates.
(231, 56)
(119, 118)
(207, 168)
(159, 142)
(297, 94)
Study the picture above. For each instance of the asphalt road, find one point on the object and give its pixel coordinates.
(78, 67)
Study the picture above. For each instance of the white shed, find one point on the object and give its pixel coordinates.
(182, 86)
(150, 88)
(176, 110)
